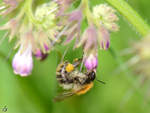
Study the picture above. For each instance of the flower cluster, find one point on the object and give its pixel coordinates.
(106, 16)
(35, 32)
(140, 61)
(38, 29)
(98, 33)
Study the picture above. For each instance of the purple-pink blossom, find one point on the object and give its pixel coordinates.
(22, 62)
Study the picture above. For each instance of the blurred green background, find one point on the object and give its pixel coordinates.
(122, 93)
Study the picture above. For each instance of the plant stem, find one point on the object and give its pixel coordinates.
(29, 13)
(88, 14)
(131, 15)
(86, 10)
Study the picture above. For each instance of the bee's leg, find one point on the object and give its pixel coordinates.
(60, 67)
(77, 62)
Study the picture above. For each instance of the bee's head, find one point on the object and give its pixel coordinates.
(90, 76)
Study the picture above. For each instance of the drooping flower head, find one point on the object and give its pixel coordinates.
(90, 46)
(37, 29)
(89, 39)
(140, 60)
(71, 25)
(106, 16)
(91, 60)
(142, 47)
(104, 38)
(74, 25)
(42, 25)
(22, 62)
(40, 55)
(107, 20)
(101, 23)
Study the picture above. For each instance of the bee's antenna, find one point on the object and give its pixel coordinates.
(100, 81)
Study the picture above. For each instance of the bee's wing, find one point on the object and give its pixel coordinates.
(63, 96)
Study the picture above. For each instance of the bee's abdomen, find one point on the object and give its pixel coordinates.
(62, 75)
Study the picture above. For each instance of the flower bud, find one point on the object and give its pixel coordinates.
(40, 55)
(91, 62)
(104, 38)
(74, 21)
(89, 39)
(22, 61)
(46, 47)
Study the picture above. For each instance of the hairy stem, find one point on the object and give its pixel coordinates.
(88, 14)
(29, 13)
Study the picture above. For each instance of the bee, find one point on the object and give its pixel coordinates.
(72, 80)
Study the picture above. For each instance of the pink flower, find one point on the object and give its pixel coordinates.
(40, 55)
(91, 62)
(89, 39)
(22, 61)
(74, 24)
(104, 38)
(92, 37)
(46, 47)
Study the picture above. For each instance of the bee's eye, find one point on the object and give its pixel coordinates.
(92, 75)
